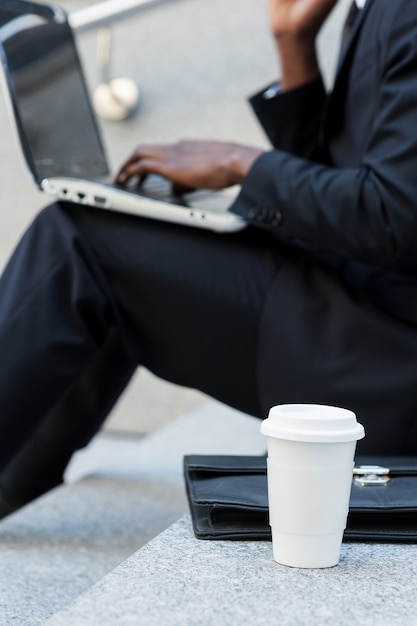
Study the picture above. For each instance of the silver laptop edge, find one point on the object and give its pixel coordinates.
(92, 193)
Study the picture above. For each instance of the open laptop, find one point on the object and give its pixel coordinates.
(58, 133)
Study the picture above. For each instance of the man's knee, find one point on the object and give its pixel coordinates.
(52, 233)
(51, 217)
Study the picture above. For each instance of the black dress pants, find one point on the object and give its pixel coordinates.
(89, 294)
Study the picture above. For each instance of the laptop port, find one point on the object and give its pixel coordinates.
(81, 195)
(100, 200)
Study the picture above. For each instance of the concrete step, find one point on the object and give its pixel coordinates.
(178, 580)
(211, 428)
(59, 546)
(120, 493)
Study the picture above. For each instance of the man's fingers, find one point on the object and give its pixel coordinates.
(143, 154)
(179, 189)
(141, 180)
(139, 169)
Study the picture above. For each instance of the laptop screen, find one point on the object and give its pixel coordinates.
(52, 111)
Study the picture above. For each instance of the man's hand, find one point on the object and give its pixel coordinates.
(298, 18)
(191, 164)
(294, 25)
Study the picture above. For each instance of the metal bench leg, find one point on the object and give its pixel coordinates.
(115, 98)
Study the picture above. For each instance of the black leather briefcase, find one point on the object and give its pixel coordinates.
(228, 498)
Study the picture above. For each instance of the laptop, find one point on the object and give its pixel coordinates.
(58, 132)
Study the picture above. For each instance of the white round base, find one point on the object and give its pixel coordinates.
(117, 99)
(306, 551)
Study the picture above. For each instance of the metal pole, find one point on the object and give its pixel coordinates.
(104, 42)
(114, 98)
(103, 13)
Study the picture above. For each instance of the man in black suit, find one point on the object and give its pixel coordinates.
(314, 302)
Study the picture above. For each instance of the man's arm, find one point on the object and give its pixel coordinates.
(290, 111)
(367, 211)
(294, 25)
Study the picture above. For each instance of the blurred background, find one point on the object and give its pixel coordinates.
(194, 62)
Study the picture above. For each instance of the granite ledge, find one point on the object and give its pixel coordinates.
(178, 580)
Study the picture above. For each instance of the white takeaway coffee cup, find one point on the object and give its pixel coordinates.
(311, 450)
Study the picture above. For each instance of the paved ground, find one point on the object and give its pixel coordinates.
(195, 61)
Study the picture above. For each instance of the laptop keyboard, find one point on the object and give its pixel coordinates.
(159, 188)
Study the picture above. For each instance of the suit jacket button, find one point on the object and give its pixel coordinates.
(276, 219)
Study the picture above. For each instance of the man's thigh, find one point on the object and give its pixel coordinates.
(188, 301)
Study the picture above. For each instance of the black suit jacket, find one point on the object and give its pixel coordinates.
(339, 195)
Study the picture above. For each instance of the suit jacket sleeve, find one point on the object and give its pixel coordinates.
(366, 212)
(291, 119)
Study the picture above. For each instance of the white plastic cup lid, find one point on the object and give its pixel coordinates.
(312, 423)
